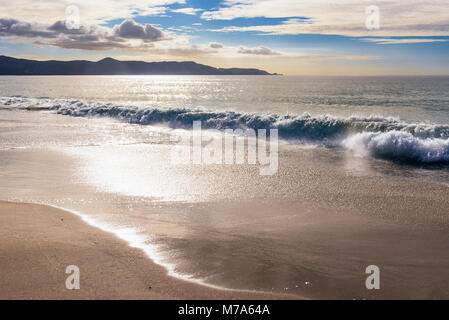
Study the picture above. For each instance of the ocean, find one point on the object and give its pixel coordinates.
(362, 177)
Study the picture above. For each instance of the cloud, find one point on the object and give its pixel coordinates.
(215, 45)
(134, 37)
(91, 12)
(189, 11)
(320, 57)
(12, 27)
(264, 51)
(132, 30)
(402, 41)
(342, 17)
(127, 35)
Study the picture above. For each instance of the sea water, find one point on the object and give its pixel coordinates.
(363, 176)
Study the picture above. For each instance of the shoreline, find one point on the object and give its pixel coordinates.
(38, 242)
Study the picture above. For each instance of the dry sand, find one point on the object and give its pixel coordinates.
(37, 243)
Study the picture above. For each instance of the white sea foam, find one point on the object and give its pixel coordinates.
(135, 239)
(379, 136)
(399, 145)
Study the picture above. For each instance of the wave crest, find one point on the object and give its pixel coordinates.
(385, 137)
(399, 145)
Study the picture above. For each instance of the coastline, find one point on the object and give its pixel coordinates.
(38, 243)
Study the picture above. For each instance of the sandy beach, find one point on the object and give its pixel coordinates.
(133, 218)
(37, 243)
(222, 151)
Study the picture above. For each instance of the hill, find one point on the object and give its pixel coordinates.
(109, 66)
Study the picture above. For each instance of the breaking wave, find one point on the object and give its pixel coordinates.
(384, 137)
(399, 145)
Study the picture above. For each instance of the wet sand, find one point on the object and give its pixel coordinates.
(37, 243)
(310, 230)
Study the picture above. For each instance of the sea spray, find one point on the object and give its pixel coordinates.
(378, 136)
(399, 145)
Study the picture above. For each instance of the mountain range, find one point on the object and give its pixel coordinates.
(109, 66)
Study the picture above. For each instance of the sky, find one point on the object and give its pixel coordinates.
(292, 37)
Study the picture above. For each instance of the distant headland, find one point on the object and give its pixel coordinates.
(109, 66)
